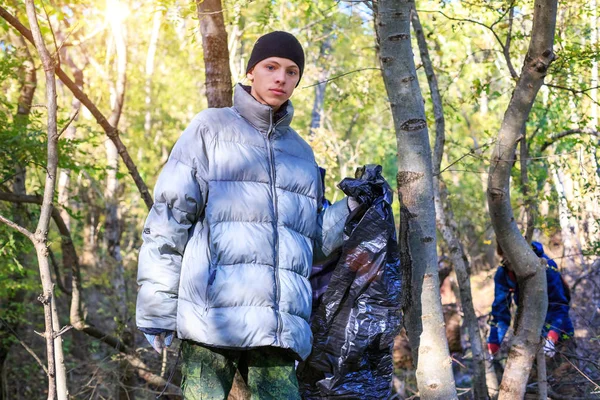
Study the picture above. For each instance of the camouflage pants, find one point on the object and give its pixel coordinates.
(208, 372)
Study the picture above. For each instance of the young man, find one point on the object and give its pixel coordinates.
(558, 323)
(229, 243)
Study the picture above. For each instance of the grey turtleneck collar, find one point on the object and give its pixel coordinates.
(260, 115)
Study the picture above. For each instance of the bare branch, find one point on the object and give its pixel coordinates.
(339, 76)
(17, 227)
(504, 46)
(557, 136)
(506, 49)
(574, 91)
(64, 128)
(64, 330)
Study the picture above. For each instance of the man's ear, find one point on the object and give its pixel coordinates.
(250, 75)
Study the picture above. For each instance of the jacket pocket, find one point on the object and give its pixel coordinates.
(211, 279)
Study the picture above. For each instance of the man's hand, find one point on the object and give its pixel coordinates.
(159, 342)
(550, 344)
(352, 203)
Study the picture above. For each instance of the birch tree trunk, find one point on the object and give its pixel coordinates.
(56, 382)
(424, 318)
(216, 53)
(447, 225)
(529, 269)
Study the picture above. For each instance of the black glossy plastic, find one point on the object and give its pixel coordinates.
(358, 316)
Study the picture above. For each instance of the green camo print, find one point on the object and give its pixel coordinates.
(208, 373)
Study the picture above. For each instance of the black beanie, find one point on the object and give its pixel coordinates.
(277, 44)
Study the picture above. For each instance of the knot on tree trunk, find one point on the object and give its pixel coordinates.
(496, 193)
(398, 37)
(414, 124)
(44, 298)
(406, 177)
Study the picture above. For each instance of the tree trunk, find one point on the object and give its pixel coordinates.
(57, 384)
(446, 224)
(541, 374)
(529, 269)
(424, 318)
(216, 54)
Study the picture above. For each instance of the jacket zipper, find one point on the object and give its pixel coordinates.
(279, 325)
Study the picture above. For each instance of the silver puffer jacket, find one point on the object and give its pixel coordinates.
(228, 245)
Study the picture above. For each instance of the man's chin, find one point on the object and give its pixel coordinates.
(275, 104)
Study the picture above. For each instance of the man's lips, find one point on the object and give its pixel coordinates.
(277, 91)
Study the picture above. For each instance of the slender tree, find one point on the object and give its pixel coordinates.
(447, 226)
(529, 269)
(57, 385)
(424, 318)
(216, 53)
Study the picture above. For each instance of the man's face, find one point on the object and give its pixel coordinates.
(274, 80)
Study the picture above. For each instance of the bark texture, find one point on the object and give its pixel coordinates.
(529, 269)
(57, 385)
(446, 224)
(219, 91)
(424, 318)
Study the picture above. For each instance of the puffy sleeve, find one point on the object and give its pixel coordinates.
(330, 227)
(179, 199)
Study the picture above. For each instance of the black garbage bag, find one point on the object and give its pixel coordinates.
(359, 314)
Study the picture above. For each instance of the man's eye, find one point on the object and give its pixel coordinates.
(293, 73)
(270, 67)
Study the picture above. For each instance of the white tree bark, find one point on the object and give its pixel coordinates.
(57, 385)
(424, 318)
(448, 228)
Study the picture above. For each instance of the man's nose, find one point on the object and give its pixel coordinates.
(280, 76)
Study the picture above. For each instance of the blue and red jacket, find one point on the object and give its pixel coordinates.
(506, 290)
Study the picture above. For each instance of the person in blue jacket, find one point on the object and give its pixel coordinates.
(558, 325)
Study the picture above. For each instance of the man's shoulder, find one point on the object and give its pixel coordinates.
(213, 118)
